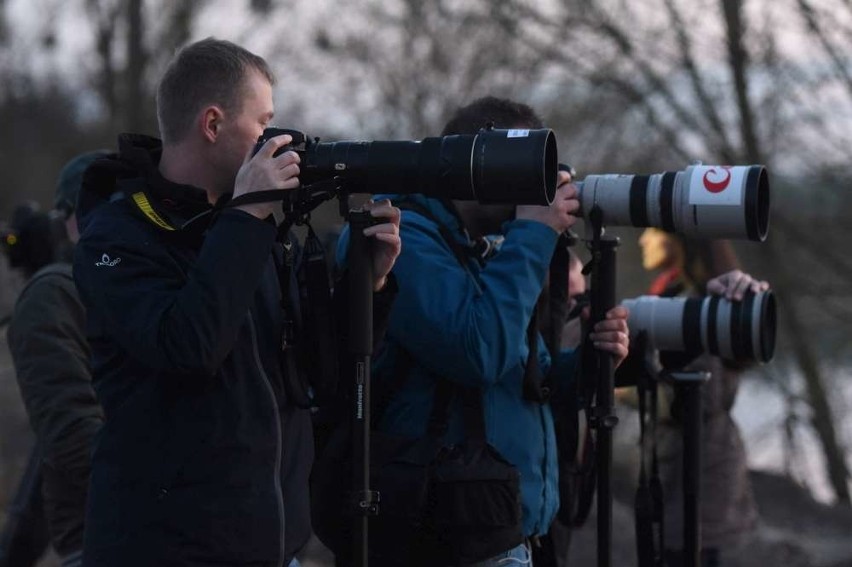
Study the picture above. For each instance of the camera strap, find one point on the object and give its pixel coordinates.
(318, 319)
(536, 386)
(297, 389)
(267, 196)
(387, 390)
(308, 335)
(462, 254)
(656, 484)
(553, 299)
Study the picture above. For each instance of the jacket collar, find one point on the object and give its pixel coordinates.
(177, 205)
(133, 174)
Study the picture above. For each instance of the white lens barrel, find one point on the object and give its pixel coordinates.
(609, 192)
(660, 317)
(701, 201)
(741, 331)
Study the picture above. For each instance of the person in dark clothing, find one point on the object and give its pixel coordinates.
(51, 357)
(28, 243)
(728, 511)
(204, 457)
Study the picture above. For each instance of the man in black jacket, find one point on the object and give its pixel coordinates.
(48, 345)
(204, 457)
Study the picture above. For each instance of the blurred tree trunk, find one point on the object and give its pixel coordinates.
(136, 106)
(125, 89)
(105, 17)
(837, 54)
(4, 32)
(806, 357)
(822, 419)
(738, 59)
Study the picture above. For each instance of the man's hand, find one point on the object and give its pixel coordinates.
(560, 214)
(734, 284)
(611, 334)
(387, 243)
(263, 172)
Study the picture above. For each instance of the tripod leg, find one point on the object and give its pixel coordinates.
(689, 391)
(361, 348)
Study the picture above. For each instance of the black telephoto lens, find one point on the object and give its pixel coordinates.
(493, 166)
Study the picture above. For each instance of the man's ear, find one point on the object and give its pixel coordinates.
(211, 119)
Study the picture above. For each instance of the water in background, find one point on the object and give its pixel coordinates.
(780, 442)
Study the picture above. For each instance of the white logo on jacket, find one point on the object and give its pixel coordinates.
(106, 261)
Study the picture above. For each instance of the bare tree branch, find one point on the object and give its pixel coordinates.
(738, 60)
(808, 13)
(705, 101)
(105, 15)
(833, 261)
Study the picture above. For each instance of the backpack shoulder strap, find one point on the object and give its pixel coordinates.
(462, 255)
(387, 390)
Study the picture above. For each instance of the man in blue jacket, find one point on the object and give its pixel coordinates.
(468, 324)
(204, 456)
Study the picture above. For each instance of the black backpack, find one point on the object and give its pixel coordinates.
(440, 504)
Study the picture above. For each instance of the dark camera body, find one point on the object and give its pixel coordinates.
(492, 166)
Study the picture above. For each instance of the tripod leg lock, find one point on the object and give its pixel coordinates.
(603, 417)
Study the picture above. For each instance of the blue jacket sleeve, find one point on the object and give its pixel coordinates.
(468, 329)
(166, 317)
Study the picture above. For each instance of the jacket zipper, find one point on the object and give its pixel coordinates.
(278, 435)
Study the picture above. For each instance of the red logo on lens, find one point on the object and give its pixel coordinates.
(717, 186)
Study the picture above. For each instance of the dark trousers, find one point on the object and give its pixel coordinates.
(25, 538)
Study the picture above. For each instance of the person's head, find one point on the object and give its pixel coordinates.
(577, 287)
(213, 102)
(660, 250)
(578, 305)
(697, 260)
(576, 279)
(31, 238)
(68, 188)
(502, 113)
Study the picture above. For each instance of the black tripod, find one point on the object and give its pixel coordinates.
(603, 418)
(365, 500)
(688, 388)
(650, 541)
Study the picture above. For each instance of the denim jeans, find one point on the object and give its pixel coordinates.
(514, 557)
